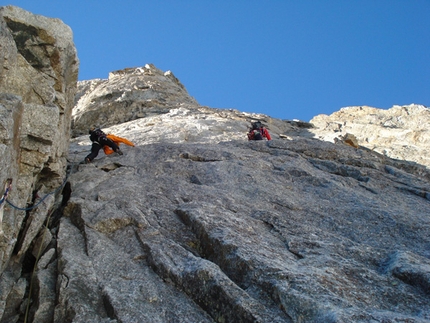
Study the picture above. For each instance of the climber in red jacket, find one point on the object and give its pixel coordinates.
(258, 132)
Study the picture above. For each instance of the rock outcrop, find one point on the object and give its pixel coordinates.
(38, 74)
(195, 223)
(127, 95)
(401, 132)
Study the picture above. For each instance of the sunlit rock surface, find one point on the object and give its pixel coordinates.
(401, 132)
(197, 224)
(292, 230)
(38, 74)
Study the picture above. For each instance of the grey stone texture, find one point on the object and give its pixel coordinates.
(196, 223)
(38, 75)
(297, 230)
(400, 132)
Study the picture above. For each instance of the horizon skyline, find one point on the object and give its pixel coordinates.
(285, 59)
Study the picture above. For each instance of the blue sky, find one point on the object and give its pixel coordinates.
(287, 59)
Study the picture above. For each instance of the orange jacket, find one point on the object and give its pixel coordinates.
(116, 140)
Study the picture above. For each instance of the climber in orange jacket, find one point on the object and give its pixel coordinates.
(109, 143)
(117, 140)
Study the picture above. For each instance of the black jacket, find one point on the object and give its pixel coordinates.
(97, 135)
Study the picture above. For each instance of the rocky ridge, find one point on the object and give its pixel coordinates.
(126, 95)
(400, 132)
(196, 224)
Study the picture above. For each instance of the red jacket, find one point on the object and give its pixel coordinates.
(263, 131)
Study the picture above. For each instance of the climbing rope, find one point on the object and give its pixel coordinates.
(41, 201)
(8, 186)
(37, 204)
(4, 198)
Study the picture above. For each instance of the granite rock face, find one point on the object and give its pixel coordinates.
(298, 230)
(198, 224)
(292, 230)
(400, 132)
(38, 74)
(127, 95)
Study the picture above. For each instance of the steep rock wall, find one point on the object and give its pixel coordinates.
(291, 230)
(196, 224)
(209, 227)
(38, 75)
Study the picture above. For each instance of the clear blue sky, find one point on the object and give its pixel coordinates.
(288, 59)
